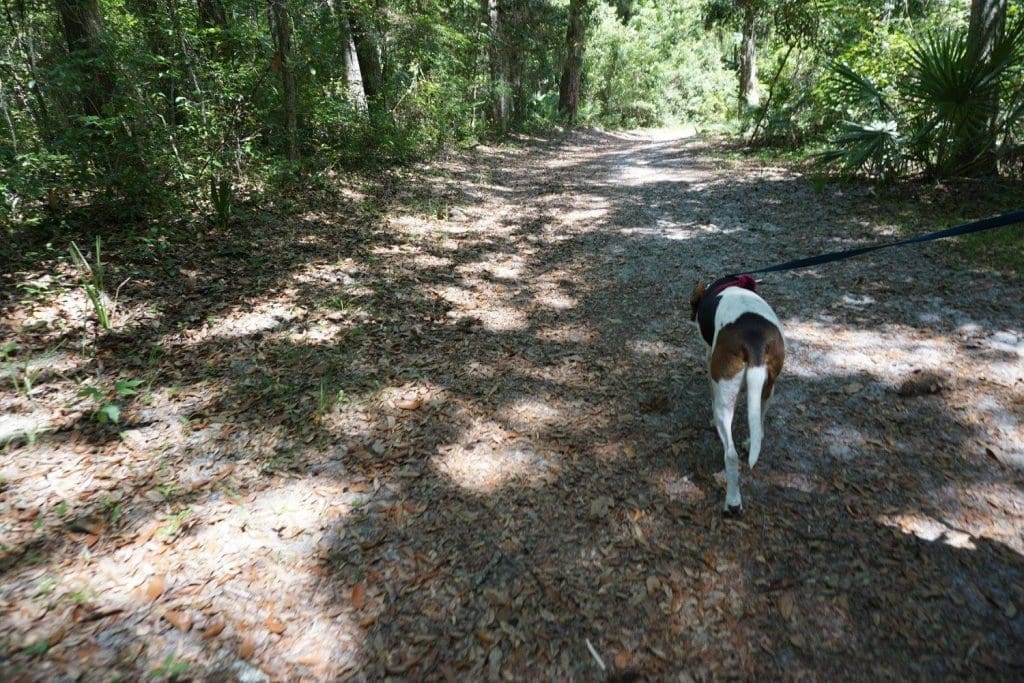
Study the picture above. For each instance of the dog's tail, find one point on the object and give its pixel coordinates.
(756, 377)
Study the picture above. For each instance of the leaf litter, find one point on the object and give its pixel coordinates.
(381, 440)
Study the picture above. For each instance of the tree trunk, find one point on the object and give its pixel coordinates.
(28, 52)
(345, 45)
(749, 95)
(82, 24)
(156, 40)
(368, 55)
(498, 67)
(211, 14)
(572, 72)
(988, 20)
(516, 26)
(280, 32)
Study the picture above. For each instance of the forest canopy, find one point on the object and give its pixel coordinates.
(126, 110)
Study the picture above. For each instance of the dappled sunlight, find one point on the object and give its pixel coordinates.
(460, 429)
(339, 274)
(593, 211)
(679, 488)
(530, 414)
(990, 509)
(501, 318)
(24, 425)
(928, 529)
(476, 299)
(489, 457)
(654, 348)
(667, 229)
(321, 332)
(799, 481)
(499, 267)
(568, 333)
(259, 317)
(635, 174)
(888, 353)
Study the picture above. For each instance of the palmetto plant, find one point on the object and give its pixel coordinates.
(953, 107)
(90, 276)
(957, 98)
(222, 199)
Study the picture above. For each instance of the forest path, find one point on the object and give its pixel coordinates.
(452, 424)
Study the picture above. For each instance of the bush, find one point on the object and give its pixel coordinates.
(942, 117)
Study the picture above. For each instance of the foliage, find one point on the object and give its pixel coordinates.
(222, 200)
(951, 107)
(655, 68)
(91, 276)
(162, 112)
(109, 399)
(190, 110)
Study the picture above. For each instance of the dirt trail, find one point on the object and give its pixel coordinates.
(453, 425)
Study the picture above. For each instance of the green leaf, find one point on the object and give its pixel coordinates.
(126, 387)
(90, 392)
(109, 412)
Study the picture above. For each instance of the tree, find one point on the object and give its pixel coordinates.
(747, 15)
(371, 71)
(988, 20)
(749, 93)
(211, 14)
(495, 16)
(281, 33)
(82, 24)
(156, 41)
(572, 71)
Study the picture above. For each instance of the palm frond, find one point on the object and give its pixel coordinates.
(874, 148)
(861, 88)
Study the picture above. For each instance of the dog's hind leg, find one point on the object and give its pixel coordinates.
(711, 420)
(726, 390)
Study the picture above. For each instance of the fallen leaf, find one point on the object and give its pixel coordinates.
(409, 403)
(359, 595)
(155, 587)
(310, 659)
(247, 648)
(179, 620)
(274, 625)
(786, 605)
(214, 627)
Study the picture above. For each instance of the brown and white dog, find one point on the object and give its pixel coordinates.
(744, 343)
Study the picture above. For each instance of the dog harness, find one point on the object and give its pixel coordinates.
(709, 304)
(744, 281)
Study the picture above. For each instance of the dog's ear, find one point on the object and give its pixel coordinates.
(695, 299)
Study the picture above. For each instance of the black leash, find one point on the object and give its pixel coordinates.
(965, 229)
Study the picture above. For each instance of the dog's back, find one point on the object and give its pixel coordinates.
(746, 347)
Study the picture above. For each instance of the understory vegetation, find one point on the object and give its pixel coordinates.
(138, 117)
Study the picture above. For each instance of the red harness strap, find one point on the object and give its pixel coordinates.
(744, 281)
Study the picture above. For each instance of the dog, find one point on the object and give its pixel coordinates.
(745, 343)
